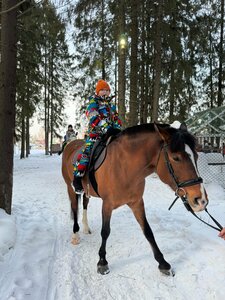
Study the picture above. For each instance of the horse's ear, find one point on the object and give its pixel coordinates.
(162, 132)
(183, 126)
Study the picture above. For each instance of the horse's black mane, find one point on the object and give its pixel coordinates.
(178, 137)
(141, 128)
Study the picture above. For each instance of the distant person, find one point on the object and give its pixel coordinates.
(70, 135)
(103, 118)
(207, 146)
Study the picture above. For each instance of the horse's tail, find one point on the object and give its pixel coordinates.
(74, 198)
(67, 171)
(78, 200)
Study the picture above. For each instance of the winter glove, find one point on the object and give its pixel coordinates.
(104, 126)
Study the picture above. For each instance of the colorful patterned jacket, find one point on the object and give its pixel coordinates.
(102, 115)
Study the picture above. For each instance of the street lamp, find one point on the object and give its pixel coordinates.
(123, 41)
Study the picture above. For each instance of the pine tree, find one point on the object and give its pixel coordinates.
(221, 57)
(133, 114)
(57, 67)
(29, 79)
(121, 39)
(7, 100)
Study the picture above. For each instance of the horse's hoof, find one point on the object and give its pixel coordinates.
(75, 242)
(75, 239)
(169, 272)
(103, 270)
(87, 231)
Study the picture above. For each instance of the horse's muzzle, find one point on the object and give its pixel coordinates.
(199, 204)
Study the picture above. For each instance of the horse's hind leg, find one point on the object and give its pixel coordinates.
(139, 213)
(102, 266)
(86, 228)
(74, 207)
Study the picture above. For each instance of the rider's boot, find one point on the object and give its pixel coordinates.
(78, 185)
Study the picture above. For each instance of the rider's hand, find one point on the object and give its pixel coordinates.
(104, 126)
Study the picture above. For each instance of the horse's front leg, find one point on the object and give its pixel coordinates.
(102, 266)
(139, 213)
(86, 228)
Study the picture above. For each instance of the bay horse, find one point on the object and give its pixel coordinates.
(134, 154)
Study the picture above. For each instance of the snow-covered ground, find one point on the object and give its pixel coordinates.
(38, 262)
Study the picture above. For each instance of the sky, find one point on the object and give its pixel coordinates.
(70, 110)
(38, 261)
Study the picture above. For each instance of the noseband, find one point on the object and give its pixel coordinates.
(181, 185)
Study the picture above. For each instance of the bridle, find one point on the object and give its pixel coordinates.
(179, 185)
(180, 188)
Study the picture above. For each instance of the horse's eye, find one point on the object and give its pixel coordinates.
(176, 158)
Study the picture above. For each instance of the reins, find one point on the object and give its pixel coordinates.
(188, 207)
(186, 183)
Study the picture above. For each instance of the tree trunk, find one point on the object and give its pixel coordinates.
(27, 115)
(51, 124)
(142, 79)
(103, 38)
(47, 123)
(157, 64)
(7, 102)
(221, 49)
(23, 134)
(121, 65)
(27, 136)
(51, 102)
(148, 64)
(211, 72)
(133, 115)
(46, 103)
(172, 88)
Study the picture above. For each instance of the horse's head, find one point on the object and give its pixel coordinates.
(177, 165)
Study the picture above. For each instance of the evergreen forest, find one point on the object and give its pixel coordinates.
(164, 60)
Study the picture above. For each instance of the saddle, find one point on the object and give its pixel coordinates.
(98, 155)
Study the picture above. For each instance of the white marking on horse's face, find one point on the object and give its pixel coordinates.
(191, 154)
